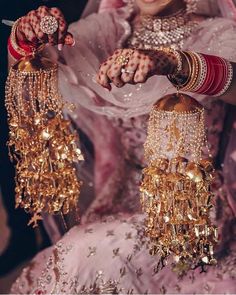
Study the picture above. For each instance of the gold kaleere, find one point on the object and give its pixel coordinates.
(40, 141)
(175, 190)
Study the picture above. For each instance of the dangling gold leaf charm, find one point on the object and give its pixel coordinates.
(175, 191)
(41, 140)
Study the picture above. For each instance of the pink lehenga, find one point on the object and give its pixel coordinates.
(111, 255)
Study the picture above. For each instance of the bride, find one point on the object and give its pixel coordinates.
(112, 256)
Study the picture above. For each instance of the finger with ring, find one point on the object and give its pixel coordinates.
(129, 70)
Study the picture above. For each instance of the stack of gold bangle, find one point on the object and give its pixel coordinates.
(191, 83)
(195, 71)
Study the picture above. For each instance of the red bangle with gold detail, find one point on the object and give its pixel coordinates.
(219, 76)
(15, 54)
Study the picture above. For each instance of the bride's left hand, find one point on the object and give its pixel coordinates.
(135, 66)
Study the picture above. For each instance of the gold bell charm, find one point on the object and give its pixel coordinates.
(175, 190)
(41, 142)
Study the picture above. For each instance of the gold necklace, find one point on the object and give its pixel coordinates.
(155, 32)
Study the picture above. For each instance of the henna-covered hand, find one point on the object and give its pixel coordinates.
(29, 30)
(141, 64)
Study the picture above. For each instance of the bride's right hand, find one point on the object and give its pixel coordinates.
(29, 29)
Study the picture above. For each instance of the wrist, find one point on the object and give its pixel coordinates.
(169, 61)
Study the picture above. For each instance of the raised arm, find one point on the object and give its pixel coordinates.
(42, 26)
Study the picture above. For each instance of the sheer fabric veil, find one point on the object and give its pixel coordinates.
(91, 7)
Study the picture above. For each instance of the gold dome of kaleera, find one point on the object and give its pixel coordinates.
(178, 102)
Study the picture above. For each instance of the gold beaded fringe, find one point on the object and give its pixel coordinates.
(41, 142)
(175, 190)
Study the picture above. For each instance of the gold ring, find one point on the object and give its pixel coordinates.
(122, 59)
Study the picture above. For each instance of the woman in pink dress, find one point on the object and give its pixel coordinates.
(112, 256)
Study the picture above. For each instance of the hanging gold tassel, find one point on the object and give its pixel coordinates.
(175, 191)
(40, 140)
